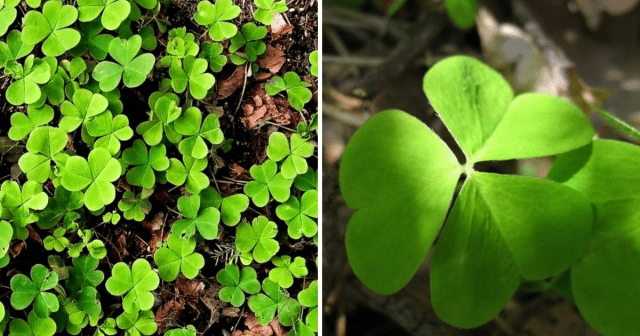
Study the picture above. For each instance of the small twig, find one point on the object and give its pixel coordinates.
(278, 125)
(348, 118)
(244, 86)
(353, 60)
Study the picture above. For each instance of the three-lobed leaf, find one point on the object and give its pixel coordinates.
(178, 257)
(192, 74)
(205, 220)
(215, 17)
(145, 162)
(26, 291)
(299, 214)
(136, 282)
(258, 239)
(266, 183)
(51, 26)
(131, 69)
(267, 9)
(294, 153)
(236, 283)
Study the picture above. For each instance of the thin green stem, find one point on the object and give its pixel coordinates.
(618, 124)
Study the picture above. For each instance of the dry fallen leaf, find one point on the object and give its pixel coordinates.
(280, 27)
(167, 314)
(228, 86)
(272, 60)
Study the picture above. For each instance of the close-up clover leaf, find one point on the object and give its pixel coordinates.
(267, 182)
(22, 124)
(267, 9)
(8, 14)
(191, 126)
(165, 112)
(134, 206)
(19, 205)
(85, 106)
(110, 131)
(33, 326)
(113, 12)
(477, 106)
(84, 273)
(146, 163)
(258, 239)
(137, 323)
(250, 38)
(63, 202)
(57, 241)
(178, 257)
(26, 291)
(25, 89)
(92, 40)
(188, 173)
(215, 17)
(274, 300)
(192, 74)
(131, 69)
(212, 53)
(299, 214)
(237, 282)
(297, 89)
(44, 147)
(136, 282)
(205, 220)
(286, 269)
(231, 207)
(52, 26)
(293, 151)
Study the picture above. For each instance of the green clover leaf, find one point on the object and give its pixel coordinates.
(8, 14)
(309, 298)
(113, 11)
(295, 87)
(14, 48)
(285, 271)
(45, 145)
(267, 10)
(110, 131)
(56, 242)
(6, 233)
(133, 70)
(250, 37)
(34, 326)
(22, 125)
(477, 106)
(25, 89)
(265, 306)
(313, 60)
(189, 172)
(51, 25)
(96, 175)
(177, 257)
(298, 214)
(2, 312)
(462, 12)
(145, 162)
(188, 331)
(204, 220)
(181, 44)
(267, 182)
(134, 206)
(88, 302)
(18, 205)
(83, 274)
(192, 75)
(259, 238)
(294, 154)
(63, 202)
(98, 45)
(137, 323)
(136, 282)
(165, 111)
(231, 207)
(307, 181)
(236, 283)
(190, 125)
(212, 53)
(27, 290)
(214, 17)
(85, 106)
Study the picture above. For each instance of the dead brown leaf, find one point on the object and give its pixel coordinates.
(167, 314)
(209, 298)
(228, 86)
(256, 329)
(239, 173)
(258, 106)
(272, 60)
(34, 235)
(190, 289)
(16, 248)
(280, 27)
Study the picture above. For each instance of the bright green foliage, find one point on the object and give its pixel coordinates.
(313, 59)
(215, 17)
(189, 125)
(27, 290)
(259, 238)
(181, 44)
(275, 300)
(286, 270)
(88, 302)
(112, 217)
(307, 181)
(83, 274)
(462, 12)
(56, 242)
(212, 53)
(108, 327)
(250, 37)
(95, 247)
(34, 327)
(135, 206)
(137, 283)
(133, 70)
(236, 283)
(298, 214)
(177, 257)
(2, 311)
(204, 220)
(18, 204)
(51, 25)
(309, 298)
(45, 145)
(188, 331)
(96, 175)
(165, 111)
(267, 182)
(110, 131)
(294, 154)
(8, 14)
(189, 172)
(85, 106)
(63, 202)
(113, 11)
(267, 10)
(145, 162)
(92, 40)
(22, 125)
(296, 89)
(191, 73)
(231, 207)
(14, 48)
(604, 281)
(25, 89)
(395, 151)
(137, 323)
(6, 233)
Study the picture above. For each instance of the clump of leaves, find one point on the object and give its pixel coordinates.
(299, 214)
(133, 70)
(205, 220)
(26, 291)
(488, 123)
(215, 17)
(257, 239)
(267, 10)
(135, 206)
(236, 283)
(178, 257)
(267, 181)
(137, 283)
(294, 153)
(297, 89)
(250, 38)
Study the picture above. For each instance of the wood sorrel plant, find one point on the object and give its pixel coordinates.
(400, 178)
